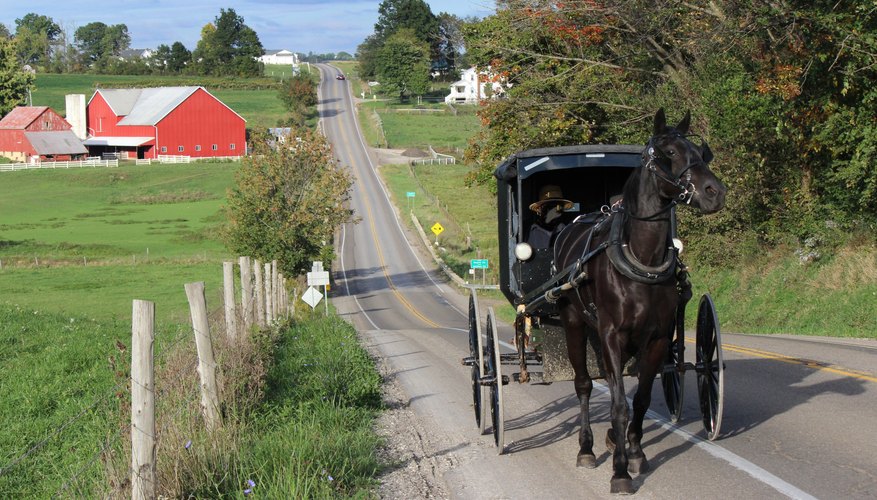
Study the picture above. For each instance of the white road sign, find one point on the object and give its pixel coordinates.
(312, 297)
(318, 278)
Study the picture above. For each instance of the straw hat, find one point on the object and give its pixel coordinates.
(550, 193)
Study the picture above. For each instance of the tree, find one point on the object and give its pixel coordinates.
(98, 42)
(179, 57)
(4, 31)
(14, 82)
(228, 47)
(415, 15)
(288, 201)
(36, 35)
(299, 95)
(451, 43)
(403, 64)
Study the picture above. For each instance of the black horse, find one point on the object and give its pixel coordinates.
(627, 295)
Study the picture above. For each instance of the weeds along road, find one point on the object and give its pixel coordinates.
(799, 412)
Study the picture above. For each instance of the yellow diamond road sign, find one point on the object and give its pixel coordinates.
(437, 229)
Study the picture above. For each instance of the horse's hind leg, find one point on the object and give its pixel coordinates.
(576, 342)
(650, 363)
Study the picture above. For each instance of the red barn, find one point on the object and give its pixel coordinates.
(146, 123)
(30, 133)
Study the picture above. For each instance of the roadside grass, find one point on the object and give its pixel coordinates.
(299, 406)
(313, 437)
(775, 293)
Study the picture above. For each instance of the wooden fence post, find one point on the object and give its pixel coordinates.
(246, 292)
(260, 293)
(206, 360)
(275, 287)
(142, 401)
(269, 295)
(228, 287)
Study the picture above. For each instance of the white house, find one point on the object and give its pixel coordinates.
(473, 87)
(283, 56)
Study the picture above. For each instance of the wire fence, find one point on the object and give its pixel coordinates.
(175, 379)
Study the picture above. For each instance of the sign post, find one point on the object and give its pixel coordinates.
(317, 277)
(410, 196)
(480, 264)
(437, 230)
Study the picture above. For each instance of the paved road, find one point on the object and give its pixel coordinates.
(799, 417)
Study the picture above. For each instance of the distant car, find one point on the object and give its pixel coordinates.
(340, 77)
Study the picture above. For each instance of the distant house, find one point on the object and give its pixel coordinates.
(146, 123)
(129, 54)
(472, 87)
(279, 57)
(35, 133)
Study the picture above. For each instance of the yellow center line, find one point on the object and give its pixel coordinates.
(816, 365)
(374, 232)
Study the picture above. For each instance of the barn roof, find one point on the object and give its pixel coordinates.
(22, 116)
(147, 106)
(55, 142)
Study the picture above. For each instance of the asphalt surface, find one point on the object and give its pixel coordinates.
(799, 412)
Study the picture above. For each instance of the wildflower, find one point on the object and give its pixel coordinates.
(188, 444)
(251, 484)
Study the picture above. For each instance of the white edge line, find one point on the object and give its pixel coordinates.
(715, 450)
(384, 190)
(707, 446)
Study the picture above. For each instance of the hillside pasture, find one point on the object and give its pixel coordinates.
(94, 239)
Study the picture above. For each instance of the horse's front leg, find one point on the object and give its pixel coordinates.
(576, 343)
(650, 362)
(613, 362)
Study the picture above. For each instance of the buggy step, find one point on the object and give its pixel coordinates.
(535, 378)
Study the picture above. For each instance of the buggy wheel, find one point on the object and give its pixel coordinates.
(710, 367)
(494, 371)
(476, 351)
(673, 380)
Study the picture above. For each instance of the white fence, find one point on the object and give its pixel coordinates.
(436, 159)
(11, 167)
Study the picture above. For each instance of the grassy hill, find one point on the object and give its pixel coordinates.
(94, 239)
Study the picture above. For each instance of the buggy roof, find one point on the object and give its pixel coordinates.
(523, 164)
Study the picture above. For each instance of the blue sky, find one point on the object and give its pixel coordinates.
(298, 25)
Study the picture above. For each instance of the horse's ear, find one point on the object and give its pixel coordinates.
(660, 122)
(706, 153)
(684, 124)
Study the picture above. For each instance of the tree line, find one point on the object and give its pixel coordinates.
(411, 46)
(783, 91)
(227, 47)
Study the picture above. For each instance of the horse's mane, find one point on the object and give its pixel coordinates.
(629, 192)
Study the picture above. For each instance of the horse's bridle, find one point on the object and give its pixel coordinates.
(686, 187)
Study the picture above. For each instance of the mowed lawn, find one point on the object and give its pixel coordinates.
(91, 240)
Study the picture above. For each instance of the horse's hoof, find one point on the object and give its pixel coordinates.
(586, 461)
(621, 486)
(638, 465)
(610, 443)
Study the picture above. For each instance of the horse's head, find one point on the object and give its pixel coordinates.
(684, 166)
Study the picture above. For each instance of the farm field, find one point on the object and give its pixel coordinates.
(94, 239)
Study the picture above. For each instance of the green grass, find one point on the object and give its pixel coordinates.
(406, 126)
(77, 240)
(56, 377)
(314, 438)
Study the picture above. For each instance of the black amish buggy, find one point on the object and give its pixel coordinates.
(579, 189)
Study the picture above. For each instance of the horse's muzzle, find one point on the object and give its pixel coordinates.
(710, 198)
